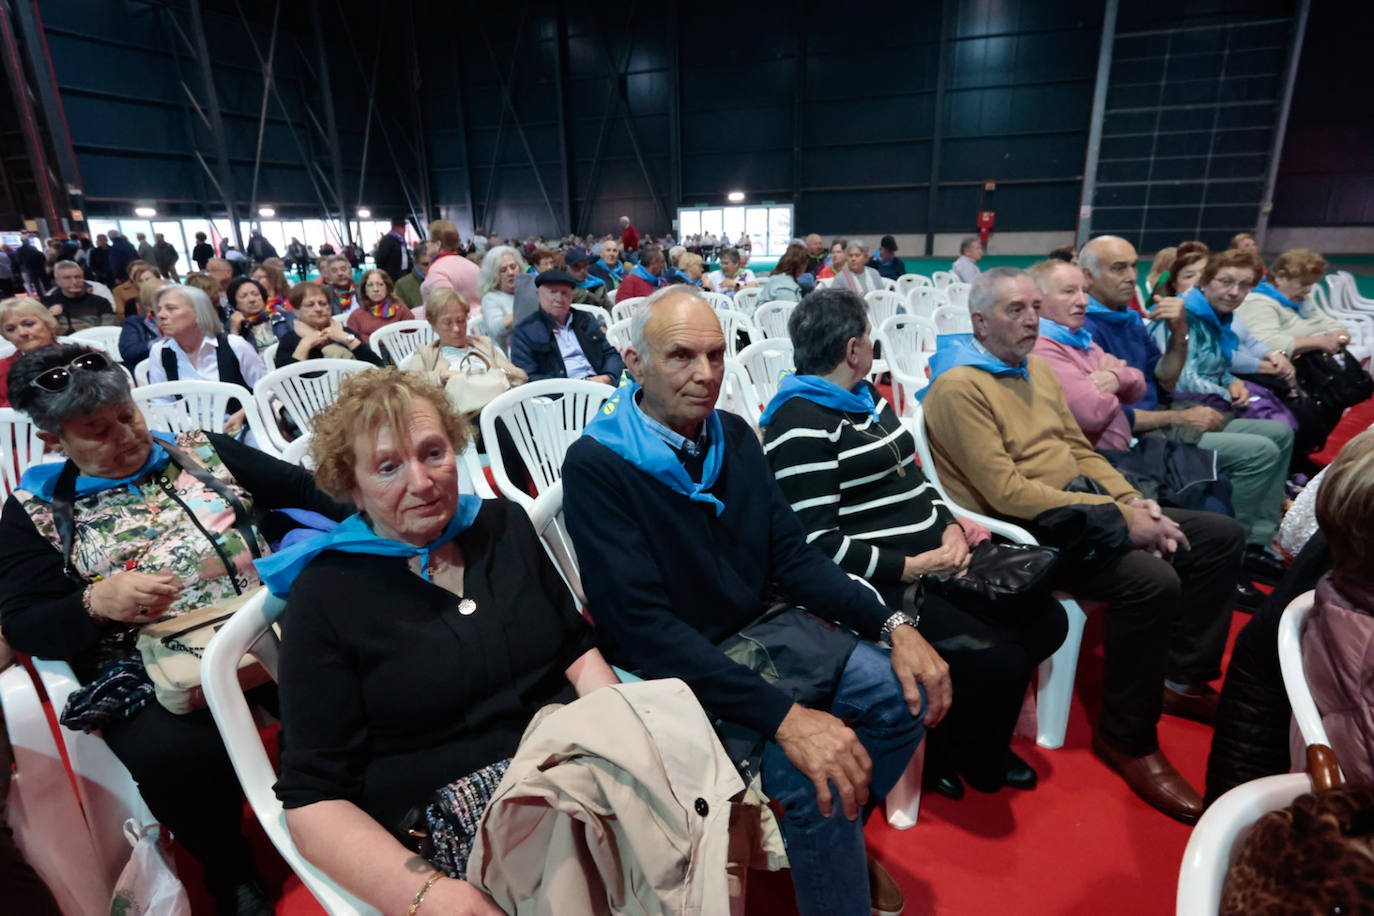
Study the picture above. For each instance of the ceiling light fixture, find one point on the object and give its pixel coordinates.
(735, 196)
(145, 212)
(266, 212)
(364, 213)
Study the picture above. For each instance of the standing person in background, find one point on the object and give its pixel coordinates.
(393, 255)
(885, 260)
(166, 258)
(408, 287)
(202, 252)
(7, 284)
(99, 261)
(259, 249)
(145, 249)
(965, 267)
(629, 239)
(298, 256)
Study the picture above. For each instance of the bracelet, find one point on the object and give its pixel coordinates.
(86, 603)
(424, 889)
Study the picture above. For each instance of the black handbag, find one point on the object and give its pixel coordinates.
(1335, 380)
(998, 571)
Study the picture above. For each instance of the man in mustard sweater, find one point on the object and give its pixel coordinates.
(1006, 443)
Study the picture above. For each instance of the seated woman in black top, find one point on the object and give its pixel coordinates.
(315, 333)
(419, 639)
(848, 467)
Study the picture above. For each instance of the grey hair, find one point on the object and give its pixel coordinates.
(66, 265)
(605, 242)
(644, 310)
(856, 243)
(968, 242)
(729, 254)
(491, 267)
(330, 259)
(1087, 256)
(983, 296)
(821, 327)
(674, 253)
(207, 316)
(86, 393)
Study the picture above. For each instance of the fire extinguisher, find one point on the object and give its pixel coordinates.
(986, 220)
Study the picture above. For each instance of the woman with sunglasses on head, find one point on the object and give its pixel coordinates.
(132, 528)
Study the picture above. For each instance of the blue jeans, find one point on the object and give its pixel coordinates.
(829, 867)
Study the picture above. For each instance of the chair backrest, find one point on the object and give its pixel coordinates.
(269, 355)
(20, 448)
(942, 278)
(770, 319)
(619, 334)
(303, 389)
(824, 282)
(907, 282)
(543, 418)
(924, 300)
(1207, 858)
(546, 515)
(951, 320)
(734, 324)
(767, 361)
(250, 629)
(141, 373)
(957, 294)
(882, 305)
(107, 339)
(717, 300)
(602, 316)
(625, 307)
(396, 341)
(747, 299)
(908, 341)
(889, 284)
(298, 453)
(737, 394)
(1305, 711)
(177, 407)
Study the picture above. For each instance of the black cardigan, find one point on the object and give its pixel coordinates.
(389, 691)
(40, 608)
(667, 580)
(290, 340)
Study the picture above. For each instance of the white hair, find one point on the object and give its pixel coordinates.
(1087, 255)
(207, 317)
(856, 243)
(490, 276)
(987, 288)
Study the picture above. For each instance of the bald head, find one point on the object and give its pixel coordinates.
(677, 355)
(1108, 263)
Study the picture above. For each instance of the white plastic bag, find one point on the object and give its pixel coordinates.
(148, 885)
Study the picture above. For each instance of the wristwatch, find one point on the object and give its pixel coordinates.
(898, 619)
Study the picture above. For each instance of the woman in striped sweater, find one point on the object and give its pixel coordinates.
(848, 467)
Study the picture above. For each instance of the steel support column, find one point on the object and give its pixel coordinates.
(1104, 73)
(225, 179)
(798, 106)
(331, 132)
(560, 66)
(413, 99)
(1290, 78)
(623, 102)
(30, 25)
(262, 113)
(33, 138)
(675, 109)
(947, 9)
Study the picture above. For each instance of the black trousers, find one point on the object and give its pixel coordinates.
(184, 774)
(1164, 621)
(992, 650)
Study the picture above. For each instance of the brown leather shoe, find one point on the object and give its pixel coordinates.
(1200, 705)
(884, 894)
(1155, 780)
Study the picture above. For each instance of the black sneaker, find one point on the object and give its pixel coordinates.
(247, 899)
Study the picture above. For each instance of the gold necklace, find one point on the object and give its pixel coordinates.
(890, 445)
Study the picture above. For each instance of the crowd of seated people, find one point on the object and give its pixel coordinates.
(1067, 411)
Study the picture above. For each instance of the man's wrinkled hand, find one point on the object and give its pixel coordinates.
(917, 664)
(826, 750)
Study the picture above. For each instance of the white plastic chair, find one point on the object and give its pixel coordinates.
(1207, 858)
(182, 406)
(602, 316)
(1305, 711)
(303, 389)
(942, 278)
(107, 339)
(907, 282)
(269, 355)
(951, 320)
(619, 334)
(824, 282)
(298, 453)
(883, 304)
(546, 515)
(543, 418)
(732, 325)
(957, 294)
(771, 318)
(909, 342)
(20, 449)
(717, 300)
(141, 373)
(396, 341)
(250, 629)
(889, 284)
(1054, 693)
(747, 299)
(767, 361)
(625, 308)
(924, 300)
(737, 394)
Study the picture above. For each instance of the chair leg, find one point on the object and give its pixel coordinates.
(904, 801)
(1055, 694)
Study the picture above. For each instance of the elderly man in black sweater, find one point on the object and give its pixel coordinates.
(685, 540)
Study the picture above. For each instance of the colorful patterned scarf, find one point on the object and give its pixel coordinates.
(344, 296)
(385, 310)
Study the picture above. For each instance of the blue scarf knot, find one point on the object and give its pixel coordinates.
(1198, 306)
(644, 274)
(1082, 339)
(621, 427)
(956, 350)
(1265, 288)
(592, 282)
(824, 392)
(618, 271)
(1113, 316)
(41, 479)
(354, 535)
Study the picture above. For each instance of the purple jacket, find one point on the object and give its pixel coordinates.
(1338, 658)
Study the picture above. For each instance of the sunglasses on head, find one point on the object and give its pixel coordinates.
(59, 377)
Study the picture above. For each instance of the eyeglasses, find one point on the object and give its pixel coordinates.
(58, 378)
(1231, 283)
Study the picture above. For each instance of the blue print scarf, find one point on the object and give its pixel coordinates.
(622, 428)
(41, 479)
(1081, 339)
(825, 393)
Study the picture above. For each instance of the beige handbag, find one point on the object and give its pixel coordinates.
(470, 391)
(172, 650)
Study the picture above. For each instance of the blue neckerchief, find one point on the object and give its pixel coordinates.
(592, 282)
(967, 352)
(677, 272)
(825, 393)
(1265, 288)
(618, 271)
(1198, 306)
(621, 428)
(1081, 339)
(41, 479)
(642, 273)
(1113, 316)
(354, 535)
